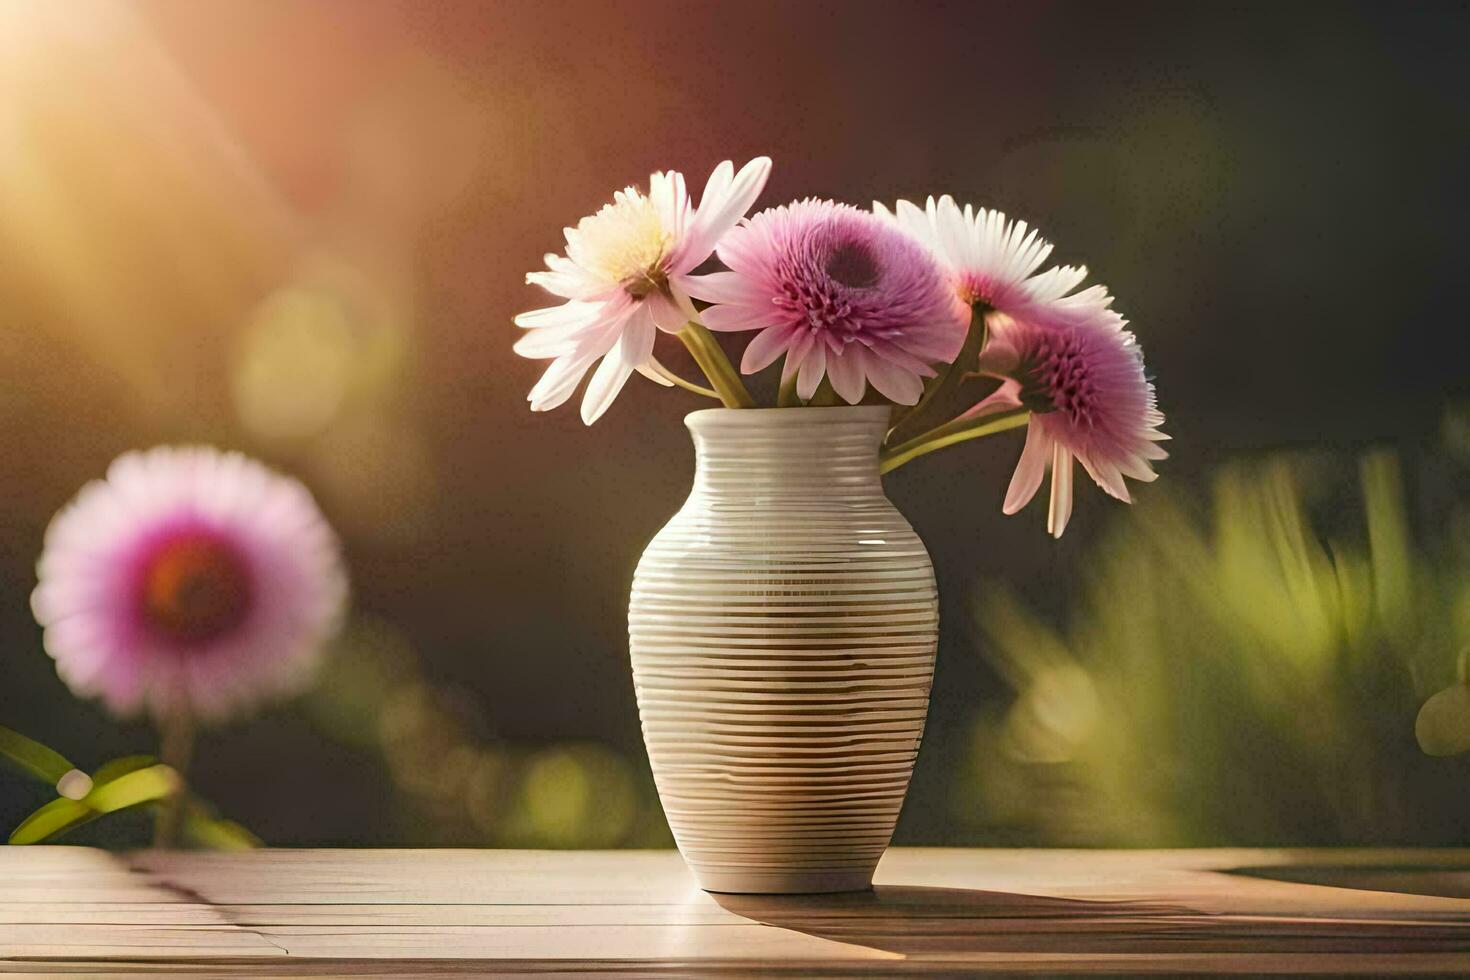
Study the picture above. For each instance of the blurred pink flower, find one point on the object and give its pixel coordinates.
(624, 273)
(1089, 399)
(838, 292)
(188, 581)
(991, 260)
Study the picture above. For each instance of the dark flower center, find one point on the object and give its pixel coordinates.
(195, 587)
(827, 286)
(853, 265)
(648, 281)
(1054, 378)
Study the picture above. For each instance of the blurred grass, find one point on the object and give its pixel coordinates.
(1244, 666)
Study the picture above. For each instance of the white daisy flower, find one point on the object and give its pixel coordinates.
(993, 261)
(622, 276)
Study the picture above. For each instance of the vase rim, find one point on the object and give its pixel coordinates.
(807, 413)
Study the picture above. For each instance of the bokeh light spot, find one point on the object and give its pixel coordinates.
(295, 364)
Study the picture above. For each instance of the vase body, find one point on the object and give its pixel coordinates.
(782, 630)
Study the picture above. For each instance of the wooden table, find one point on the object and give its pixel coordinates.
(433, 912)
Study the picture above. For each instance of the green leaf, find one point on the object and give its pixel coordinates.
(121, 766)
(130, 789)
(141, 786)
(54, 818)
(44, 763)
(216, 833)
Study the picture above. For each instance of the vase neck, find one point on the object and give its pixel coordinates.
(799, 452)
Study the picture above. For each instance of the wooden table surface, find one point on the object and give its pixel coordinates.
(435, 912)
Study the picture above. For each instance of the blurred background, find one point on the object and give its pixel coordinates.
(301, 230)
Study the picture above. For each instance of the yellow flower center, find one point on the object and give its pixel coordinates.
(626, 242)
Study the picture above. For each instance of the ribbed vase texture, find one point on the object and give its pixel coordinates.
(782, 629)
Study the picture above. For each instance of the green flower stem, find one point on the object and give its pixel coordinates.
(952, 373)
(684, 383)
(786, 396)
(177, 746)
(957, 430)
(824, 396)
(716, 366)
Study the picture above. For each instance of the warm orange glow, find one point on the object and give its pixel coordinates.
(135, 215)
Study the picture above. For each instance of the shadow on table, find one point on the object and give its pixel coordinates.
(908, 919)
(1440, 882)
(917, 921)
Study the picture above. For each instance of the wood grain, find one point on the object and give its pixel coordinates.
(432, 913)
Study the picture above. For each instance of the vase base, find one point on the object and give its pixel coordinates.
(784, 882)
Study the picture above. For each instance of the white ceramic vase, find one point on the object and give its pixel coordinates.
(783, 628)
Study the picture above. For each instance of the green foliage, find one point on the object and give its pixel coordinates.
(52, 820)
(121, 766)
(33, 758)
(124, 789)
(203, 828)
(1242, 669)
(1443, 725)
(119, 784)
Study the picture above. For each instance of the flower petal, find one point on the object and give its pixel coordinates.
(1054, 283)
(913, 220)
(572, 313)
(633, 349)
(1003, 399)
(650, 372)
(636, 343)
(801, 345)
(846, 372)
(667, 192)
(665, 312)
(592, 342)
(1137, 467)
(1059, 510)
(1106, 476)
(567, 278)
(545, 343)
(905, 359)
(813, 366)
(898, 385)
(724, 202)
(1029, 469)
(724, 287)
(1000, 356)
(561, 379)
(765, 347)
(731, 317)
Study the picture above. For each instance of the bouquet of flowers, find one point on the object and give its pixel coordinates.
(900, 306)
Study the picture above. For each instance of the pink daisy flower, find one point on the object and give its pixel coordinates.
(841, 294)
(623, 275)
(1089, 400)
(1063, 354)
(189, 582)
